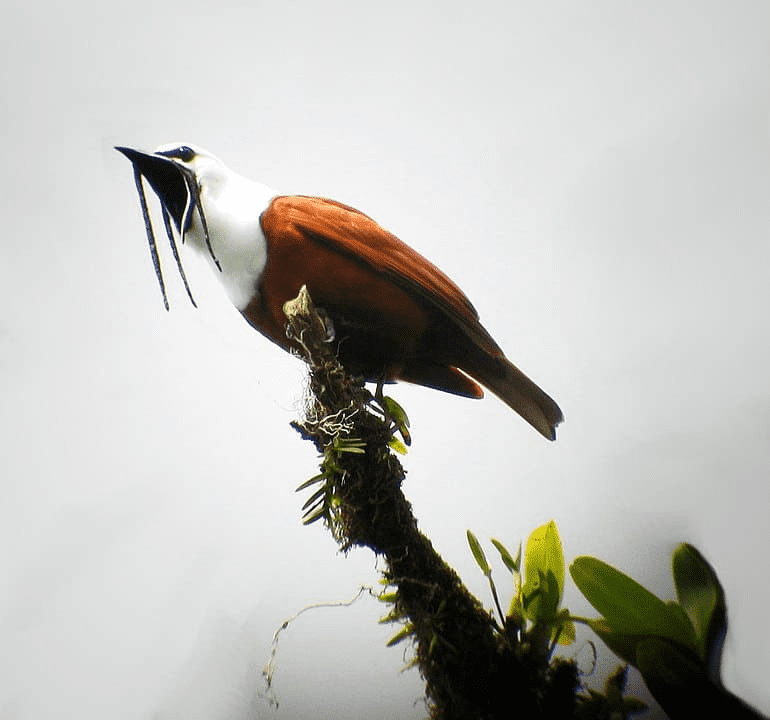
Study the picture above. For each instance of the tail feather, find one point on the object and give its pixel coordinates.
(517, 391)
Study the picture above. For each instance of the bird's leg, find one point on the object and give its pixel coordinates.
(380, 400)
(379, 396)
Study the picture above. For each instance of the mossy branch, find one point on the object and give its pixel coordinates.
(471, 670)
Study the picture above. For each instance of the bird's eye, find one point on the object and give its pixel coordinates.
(186, 153)
(183, 153)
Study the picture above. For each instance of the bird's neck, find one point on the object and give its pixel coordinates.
(232, 208)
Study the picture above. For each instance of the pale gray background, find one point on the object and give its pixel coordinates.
(594, 175)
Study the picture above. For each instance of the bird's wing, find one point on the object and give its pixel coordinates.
(357, 236)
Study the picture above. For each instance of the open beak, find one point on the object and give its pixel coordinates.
(177, 189)
(170, 181)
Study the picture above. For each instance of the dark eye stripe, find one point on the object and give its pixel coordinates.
(183, 153)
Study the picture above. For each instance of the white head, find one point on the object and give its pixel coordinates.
(208, 169)
(217, 209)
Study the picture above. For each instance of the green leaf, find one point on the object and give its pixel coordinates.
(540, 598)
(351, 445)
(677, 612)
(703, 599)
(398, 446)
(313, 480)
(388, 597)
(510, 563)
(393, 616)
(317, 515)
(317, 495)
(398, 416)
(544, 567)
(544, 553)
(478, 553)
(627, 607)
(396, 412)
(401, 635)
(348, 444)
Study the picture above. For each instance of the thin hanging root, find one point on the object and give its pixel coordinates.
(151, 235)
(172, 242)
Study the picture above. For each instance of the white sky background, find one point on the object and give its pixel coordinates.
(596, 179)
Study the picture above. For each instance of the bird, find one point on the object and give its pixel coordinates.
(395, 315)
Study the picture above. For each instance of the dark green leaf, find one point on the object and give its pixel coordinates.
(680, 683)
(317, 495)
(530, 593)
(541, 597)
(432, 645)
(565, 629)
(551, 598)
(702, 598)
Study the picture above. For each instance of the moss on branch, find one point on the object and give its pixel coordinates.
(471, 669)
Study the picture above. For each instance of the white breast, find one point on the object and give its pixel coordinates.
(232, 205)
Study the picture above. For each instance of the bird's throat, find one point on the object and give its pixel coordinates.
(237, 240)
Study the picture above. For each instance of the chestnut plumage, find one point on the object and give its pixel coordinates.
(395, 315)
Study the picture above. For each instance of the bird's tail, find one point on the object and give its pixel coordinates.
(517, 391)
